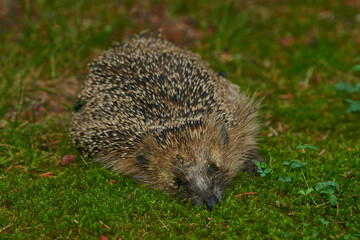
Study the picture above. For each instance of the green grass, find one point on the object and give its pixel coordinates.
(292, 53)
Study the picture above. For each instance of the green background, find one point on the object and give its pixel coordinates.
(290, 53)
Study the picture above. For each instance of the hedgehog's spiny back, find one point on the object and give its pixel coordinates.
(147, 85)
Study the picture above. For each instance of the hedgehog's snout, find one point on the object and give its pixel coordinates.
(203, 185)
(211, 202)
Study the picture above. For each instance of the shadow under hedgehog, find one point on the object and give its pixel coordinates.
(159, 114)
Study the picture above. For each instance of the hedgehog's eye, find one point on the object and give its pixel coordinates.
(178, 181)
(180, 158)
(213, 168)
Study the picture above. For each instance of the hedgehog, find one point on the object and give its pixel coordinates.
(160, 114)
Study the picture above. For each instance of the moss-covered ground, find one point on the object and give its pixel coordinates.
(290, 53)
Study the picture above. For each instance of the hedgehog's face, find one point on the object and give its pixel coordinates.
(202, 179)
(195, 169)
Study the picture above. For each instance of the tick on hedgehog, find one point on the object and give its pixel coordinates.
(159, 114)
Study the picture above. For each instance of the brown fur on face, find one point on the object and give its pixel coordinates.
(196, 163)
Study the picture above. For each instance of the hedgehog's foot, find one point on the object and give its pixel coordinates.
(250, 166)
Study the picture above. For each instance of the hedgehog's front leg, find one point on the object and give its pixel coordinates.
(250, 166)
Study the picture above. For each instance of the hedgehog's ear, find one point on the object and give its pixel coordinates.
(142, 160)
(224, 134)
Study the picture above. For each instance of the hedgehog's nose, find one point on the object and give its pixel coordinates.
(211, 201)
